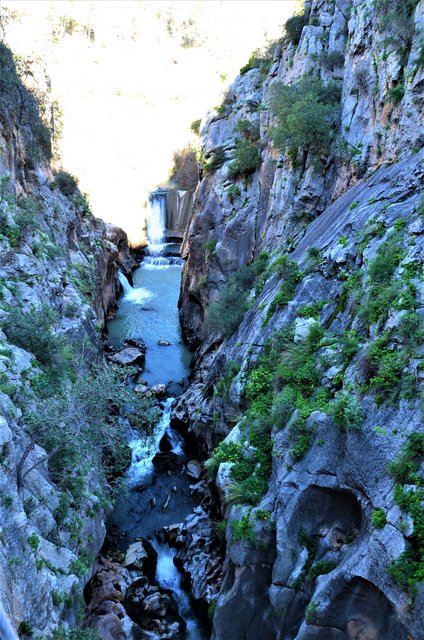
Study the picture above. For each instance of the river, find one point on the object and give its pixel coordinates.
(156, 497)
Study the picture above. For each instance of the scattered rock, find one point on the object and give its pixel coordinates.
(156, 605)
(136, 556)
(194, 469)
(127, 356)
(159, 390)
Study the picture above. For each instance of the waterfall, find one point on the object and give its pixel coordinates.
(168, 577)
(140, 294)
(156, 222)
(144, 448)
(124, 283)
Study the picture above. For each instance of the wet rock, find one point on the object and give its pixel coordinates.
(136, 342)
(136, 556)
(164, 343)
(166, 461)
(194, 469)
(159, 390)
(128, 356)
(156, 605)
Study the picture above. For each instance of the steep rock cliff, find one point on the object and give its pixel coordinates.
(326, 365)
(58, 268)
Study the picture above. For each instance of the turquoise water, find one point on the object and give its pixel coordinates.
(150, 312)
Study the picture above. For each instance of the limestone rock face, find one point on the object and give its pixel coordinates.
(336, 215)
(55, 258)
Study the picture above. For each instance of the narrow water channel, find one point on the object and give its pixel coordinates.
(156, 495)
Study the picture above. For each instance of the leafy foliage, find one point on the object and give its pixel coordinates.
(215, 161)
(66, 183)
(226, 314)
(294, 27)
(306, 113)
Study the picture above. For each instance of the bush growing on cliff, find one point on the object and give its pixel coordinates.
(306, 113)
(247, 159)
(185, 172)
(395, 19)
(226, 314)
(66, 183)
(215, 160)
(80, 422)
(294, 27)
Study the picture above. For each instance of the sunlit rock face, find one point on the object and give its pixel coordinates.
(55, 258)
(317, 565)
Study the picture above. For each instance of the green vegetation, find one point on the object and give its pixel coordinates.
(34, 332)
(34, 541)
(294, 27)
(408, 569)
(287, 270)
(87, 431)
(261, 60)
(226, 314)
(310, 613)
(195, 126)
(307, 114)
(247, 159)
(242, 529)
(66, 183)
(378, 518)
(215, 160)
(396, 93)
(347, 411)
(233, 192)
(395, 19)
(331, 60)
(25, 628)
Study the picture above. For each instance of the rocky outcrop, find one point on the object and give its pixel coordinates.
(58, 268)
(330, 548)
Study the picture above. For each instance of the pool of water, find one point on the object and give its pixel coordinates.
(149, 311)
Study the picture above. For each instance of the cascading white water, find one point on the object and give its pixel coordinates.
(144, 449)
(156, 223)
(124, 283)
(139, 294)
(168, 577)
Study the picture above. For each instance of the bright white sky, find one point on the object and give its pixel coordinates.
(129, 97)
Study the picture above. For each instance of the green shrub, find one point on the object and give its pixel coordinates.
(310, 613)
(226, 314)
(195, 126)
(259, 60)
(34, 541)
(395, 19)
(247, 159)
(33, 332)
(66, 183)
(306, 113)
(395, 94)
(294, 27)
(347, 412)
(332, 59)
(242, 529)
(233, 193)
(215, 160)
(25, 628)
(378, 518)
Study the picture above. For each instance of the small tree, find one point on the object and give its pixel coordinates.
(185, 172)
(306, 113)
